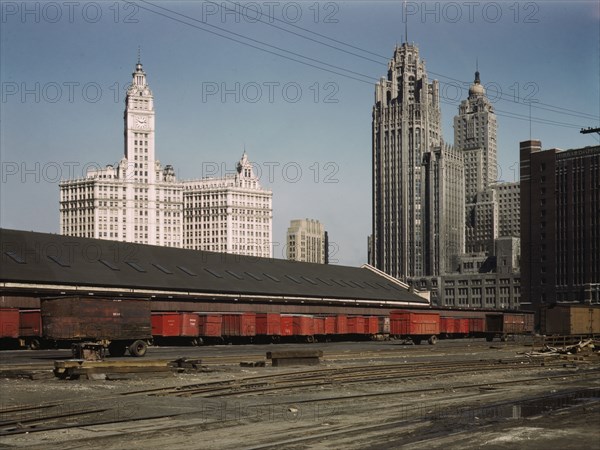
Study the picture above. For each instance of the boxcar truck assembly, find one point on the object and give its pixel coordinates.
(118, 325)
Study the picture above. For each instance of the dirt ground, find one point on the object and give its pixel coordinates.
(520, 403)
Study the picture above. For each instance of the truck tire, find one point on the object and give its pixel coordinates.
(138, 348)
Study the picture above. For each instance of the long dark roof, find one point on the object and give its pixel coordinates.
(41, 258)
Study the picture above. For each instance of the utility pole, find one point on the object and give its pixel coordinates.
(589, 130)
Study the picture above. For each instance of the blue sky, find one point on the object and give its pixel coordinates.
(64, 67)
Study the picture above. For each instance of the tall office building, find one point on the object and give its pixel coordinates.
(232, 214)
(475, 136)
(140, 201)
(560, 225)
(306, 241)
(136, 201)
(412, 172)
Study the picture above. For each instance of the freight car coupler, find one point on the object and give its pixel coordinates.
(88, 351)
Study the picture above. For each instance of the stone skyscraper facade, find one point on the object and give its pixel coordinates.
(230, 214)
(139, 201)
(412, 170)
(306, 241)
(475, 136)
(135, 201)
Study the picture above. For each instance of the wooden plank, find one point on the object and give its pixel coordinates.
(306, 361)
(282, 354)
(128, 363)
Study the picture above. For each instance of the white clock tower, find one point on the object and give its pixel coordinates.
(140, 201)
(139, 129)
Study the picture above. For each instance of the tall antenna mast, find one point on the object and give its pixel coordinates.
(405, 24)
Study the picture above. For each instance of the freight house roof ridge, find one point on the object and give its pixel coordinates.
(31, 259)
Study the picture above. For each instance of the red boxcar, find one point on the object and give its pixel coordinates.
(356, 325)
(210, 325)
(448, 325)
(341, 324)
(287, 327)
(30, 323)
(243, 324)
(9, 323)
(409, 323)
(476, 325)
(372, 325)
(268, 324)
(319, 323)
(190, 325)
(303, 326)
(462, 326)
(330, 325)
(167, 324)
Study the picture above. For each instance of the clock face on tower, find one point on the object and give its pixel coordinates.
(140, 122)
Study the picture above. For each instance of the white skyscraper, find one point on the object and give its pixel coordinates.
(232, 214)
(140, 201)
(136, 201)
(306, 241)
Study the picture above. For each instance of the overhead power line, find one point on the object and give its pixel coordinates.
(338, 70)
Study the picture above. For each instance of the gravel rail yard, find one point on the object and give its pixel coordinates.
(362, 395)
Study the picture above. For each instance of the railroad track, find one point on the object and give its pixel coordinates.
(332, 376)
(49, 422)
(66, 414)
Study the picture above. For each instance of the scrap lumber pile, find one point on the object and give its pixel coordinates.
(588, 347)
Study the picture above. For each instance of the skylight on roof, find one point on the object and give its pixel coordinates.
(324, 282)
(58, 261)
(15, 257)
(136, 266)
(213, 273)
(311, 281)
(251, 275)
(371, 285)
(186, 270)
(162, 269)
(294, 279)
(108, 264)
(277, 280)
(235, 275)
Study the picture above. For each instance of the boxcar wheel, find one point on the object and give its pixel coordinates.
(138, 348)
(489, 338)
(432, 340)
(34, 344)
(416, 340)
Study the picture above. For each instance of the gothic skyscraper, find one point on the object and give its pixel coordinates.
(417, 179)
(475, 136)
